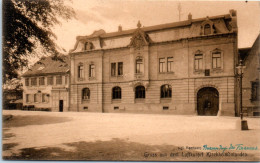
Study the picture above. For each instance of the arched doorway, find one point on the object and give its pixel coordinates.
(208, 101)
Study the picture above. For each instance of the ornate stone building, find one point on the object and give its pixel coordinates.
(46, 85)
(186, 67)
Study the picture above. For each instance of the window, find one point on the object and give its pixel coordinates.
(80, 71)
(27, 98)
(170, 64)
(198, 61)
(85, 94)
(139, 92)
(37, 97)
(58, 80)
(26, 81)
(45, 97)
(42, 81)
(113, 69)
(85, 108)
(92, 70)
(49, 80)
(34, 81)
(254, 91)
(66, 79)
(120, 68)
(162, 65)
(139, 65)
(165, 107)
(166, 91)
(88, 46)
(216, 60)
(117, 70)
(207, 29)
(116, 93)
(116, 107)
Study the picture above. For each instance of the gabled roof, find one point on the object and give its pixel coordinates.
(48, 65)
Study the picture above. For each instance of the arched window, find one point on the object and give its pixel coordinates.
(116, 93)
(166, 91)
(139, 92)
(207, 29)
(85, 94)
(80, 70)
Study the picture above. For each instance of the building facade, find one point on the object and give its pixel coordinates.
(46, 85)
(250, 81)
(185, 67)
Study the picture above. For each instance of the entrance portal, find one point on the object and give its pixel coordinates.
(61, 106)
(208, 101)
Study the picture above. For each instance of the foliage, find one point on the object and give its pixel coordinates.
(27, 23)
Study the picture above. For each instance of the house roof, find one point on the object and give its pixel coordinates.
(101, 33)
(49, 65)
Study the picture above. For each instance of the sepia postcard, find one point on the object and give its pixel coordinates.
(126, 80)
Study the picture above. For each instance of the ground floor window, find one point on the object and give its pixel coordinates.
(116, 93)
(139, 92)
(85, 94)
(166, 91)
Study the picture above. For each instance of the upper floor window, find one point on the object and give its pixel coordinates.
(198, 60)
(254, 91)
(33, 81)
(216, 60)
(116, 93)
(50, 80)
(42, 81)
(166, 67)
(120, 68)
(139, 92)
(139, 65)
(162, 65)
(166, 91)
(80, 71)
(207, 29)
(92, 70)
(170, 64)
(58, 80)
(117, 69)
(66, 79)
(85, 94)
(27, 82)
(113, 69)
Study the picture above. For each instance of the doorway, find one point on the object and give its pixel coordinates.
(208, 101)
(61, 106)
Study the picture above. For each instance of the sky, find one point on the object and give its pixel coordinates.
(93, 15)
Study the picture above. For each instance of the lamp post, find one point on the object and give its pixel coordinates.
(240, 72)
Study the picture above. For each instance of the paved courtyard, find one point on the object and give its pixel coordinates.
(37, 135)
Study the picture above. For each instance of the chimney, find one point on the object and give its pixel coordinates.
(120, 28)
(189, 16)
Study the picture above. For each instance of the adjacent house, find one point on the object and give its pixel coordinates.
(250, 81)
(185, 67)
(46, 85)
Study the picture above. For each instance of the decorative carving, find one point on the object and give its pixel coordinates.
(136, 83)
(139, 39)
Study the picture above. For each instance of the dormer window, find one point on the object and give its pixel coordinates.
(207, 29)
(88, 46)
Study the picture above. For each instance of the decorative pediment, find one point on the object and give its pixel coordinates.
(134, 84)
(207, 21)
(139, 38)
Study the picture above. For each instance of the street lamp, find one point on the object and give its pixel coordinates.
(240, 71)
